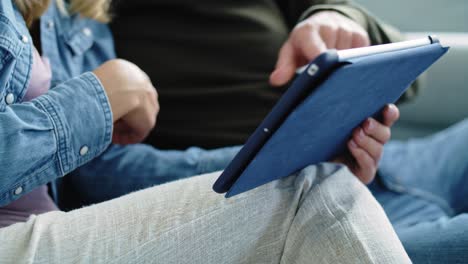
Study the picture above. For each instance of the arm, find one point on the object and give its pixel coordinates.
(71, 124)
(378, 32)
(43, 139)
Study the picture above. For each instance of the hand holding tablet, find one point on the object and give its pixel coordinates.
(315, 117)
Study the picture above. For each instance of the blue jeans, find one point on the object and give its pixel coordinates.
(423, 187)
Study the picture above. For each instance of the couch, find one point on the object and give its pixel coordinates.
(444, 96)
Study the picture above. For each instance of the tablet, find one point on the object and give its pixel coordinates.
(315, 117)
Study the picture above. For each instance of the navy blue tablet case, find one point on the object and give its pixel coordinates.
(308, 127)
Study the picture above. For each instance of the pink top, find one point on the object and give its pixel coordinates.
(38, 200)
(41, 75)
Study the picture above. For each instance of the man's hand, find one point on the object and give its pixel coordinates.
(366, 145)
(323, 30)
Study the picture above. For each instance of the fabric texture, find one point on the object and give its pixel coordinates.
(321, 215)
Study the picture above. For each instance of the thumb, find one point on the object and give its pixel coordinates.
(391, 114)
(285, 66)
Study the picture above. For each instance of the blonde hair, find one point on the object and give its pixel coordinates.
(94, 9)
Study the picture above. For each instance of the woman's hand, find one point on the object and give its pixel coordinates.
(133, 100)
(313, 36)
(366, 145)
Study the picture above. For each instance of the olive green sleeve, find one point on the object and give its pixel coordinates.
(379, 32)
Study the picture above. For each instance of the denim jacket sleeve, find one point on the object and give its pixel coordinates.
(123, 169)
(50, 136)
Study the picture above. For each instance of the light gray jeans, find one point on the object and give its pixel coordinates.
(321, 215)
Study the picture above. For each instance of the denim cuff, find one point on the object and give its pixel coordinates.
(82, 118)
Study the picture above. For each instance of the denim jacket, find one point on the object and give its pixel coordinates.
(69, 129)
